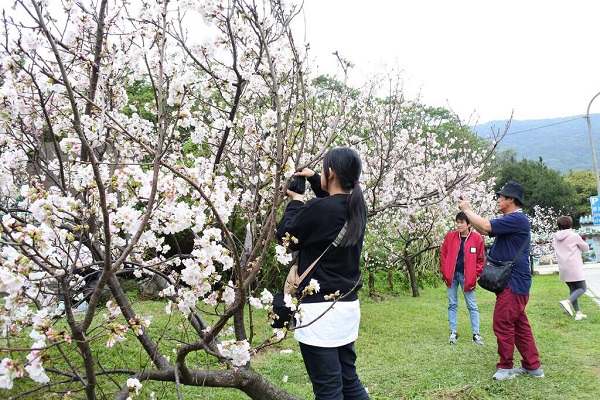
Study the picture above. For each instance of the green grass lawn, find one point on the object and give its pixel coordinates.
(403, 353)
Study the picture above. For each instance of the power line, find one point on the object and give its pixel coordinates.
(544, 126)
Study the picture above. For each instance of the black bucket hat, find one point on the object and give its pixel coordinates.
(512, 189)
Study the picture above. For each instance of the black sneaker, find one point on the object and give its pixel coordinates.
(453, 338)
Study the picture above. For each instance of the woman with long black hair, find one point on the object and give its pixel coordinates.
(327, 334)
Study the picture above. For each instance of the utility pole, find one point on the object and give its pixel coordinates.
(589, 126)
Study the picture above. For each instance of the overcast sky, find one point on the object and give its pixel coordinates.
(538, 58)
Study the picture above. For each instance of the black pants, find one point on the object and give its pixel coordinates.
(332, 372)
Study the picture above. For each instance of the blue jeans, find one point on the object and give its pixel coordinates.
(332, 372)
(459, 279)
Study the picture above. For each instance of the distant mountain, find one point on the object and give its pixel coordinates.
(563, 143)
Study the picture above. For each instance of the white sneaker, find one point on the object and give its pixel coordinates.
(453, 338)
(566, 305)
(536, 373)
(579, 316)
(503, 374)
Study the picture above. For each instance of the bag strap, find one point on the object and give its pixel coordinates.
(522, 248)
(335, 243)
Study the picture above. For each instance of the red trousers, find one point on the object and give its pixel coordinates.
(512, 328)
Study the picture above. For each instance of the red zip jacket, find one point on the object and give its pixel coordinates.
(474, 258)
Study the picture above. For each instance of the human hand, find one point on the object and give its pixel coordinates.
(463, 204)
(306, 172)
(295, 196)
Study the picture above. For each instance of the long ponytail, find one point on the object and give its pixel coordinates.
(348, 167)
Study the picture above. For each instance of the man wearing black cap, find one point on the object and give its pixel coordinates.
(511, 325)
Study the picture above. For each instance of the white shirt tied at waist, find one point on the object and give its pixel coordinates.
(339, 325)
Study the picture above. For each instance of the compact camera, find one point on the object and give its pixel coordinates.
(298, 185)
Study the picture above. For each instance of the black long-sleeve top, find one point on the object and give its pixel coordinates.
(316, 224)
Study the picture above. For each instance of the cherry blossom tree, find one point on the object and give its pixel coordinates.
(95, 183)
(418, 162)
(543, 227)
(83, 176)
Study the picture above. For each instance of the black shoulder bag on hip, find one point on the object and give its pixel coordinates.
(495, 274)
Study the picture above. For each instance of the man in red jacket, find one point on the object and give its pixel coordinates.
(463, 257)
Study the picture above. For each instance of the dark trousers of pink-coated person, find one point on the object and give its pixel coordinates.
(512, 328)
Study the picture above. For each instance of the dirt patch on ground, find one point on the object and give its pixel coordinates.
(462, 393)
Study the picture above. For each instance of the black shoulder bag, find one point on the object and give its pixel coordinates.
(495, 274)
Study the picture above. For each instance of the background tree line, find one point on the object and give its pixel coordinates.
(566, 194)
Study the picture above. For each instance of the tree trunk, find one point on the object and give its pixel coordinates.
(390, 279)
(251, 383)
(411, 273)
(372, 285)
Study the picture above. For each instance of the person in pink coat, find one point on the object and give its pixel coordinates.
(568, 246)
(462, 260)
